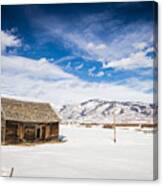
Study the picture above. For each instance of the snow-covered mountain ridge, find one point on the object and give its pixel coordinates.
(100, 111)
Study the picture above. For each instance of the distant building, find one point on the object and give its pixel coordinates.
(23, 121)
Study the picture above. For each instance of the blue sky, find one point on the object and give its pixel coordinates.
(103, 50)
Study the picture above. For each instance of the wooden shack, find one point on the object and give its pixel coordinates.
(23, 121)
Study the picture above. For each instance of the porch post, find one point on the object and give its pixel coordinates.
(21, 132)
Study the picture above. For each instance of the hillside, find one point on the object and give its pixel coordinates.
(100, 111)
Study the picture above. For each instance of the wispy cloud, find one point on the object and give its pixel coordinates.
(9, 40)
(93, 47)
(19, 70)
(134, 61)
(140, 45)
(100, 53)
(99, 74)
(84, 40)
(145, 86)
(79, 67)
(91, 70)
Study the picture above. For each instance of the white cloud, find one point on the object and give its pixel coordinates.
(8, 39)
(140, 45)
(27, 78)
(91, 70)
(100, 74)
(150, 49)
(63, 59)
(135, 60)
(79, 67)
(139, 85)
(84, 40)
(93, 46)
(101, 47)
(40, 69)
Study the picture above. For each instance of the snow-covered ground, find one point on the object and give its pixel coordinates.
(88, 153)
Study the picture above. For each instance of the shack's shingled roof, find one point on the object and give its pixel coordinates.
(25, 111)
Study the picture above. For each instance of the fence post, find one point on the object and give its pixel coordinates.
(114, 126)
(11, 172)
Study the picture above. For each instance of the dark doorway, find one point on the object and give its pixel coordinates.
(38, 133)
(43, 132)
(29, 133)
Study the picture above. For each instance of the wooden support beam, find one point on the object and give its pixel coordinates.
(3, 134)
(21, 130)
(3, 131)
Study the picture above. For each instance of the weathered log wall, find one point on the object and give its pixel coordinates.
(17, 132)
(11, 136)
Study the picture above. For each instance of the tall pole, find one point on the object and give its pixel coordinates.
(11, 172)
(114, 126)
